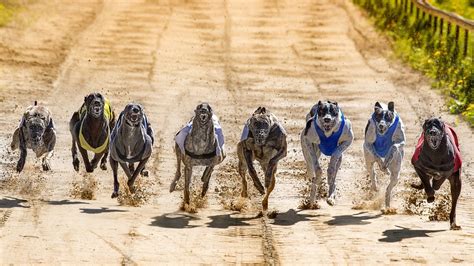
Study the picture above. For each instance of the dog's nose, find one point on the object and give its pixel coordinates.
(432, 133)
(327, 120)
(135, 110)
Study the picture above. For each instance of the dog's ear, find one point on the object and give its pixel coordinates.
(209, 108)
(425, 124)
(320, 103)
(50, 124)
(377, 107)
(391, 106)
(258, 110)
(36, 103)
(335, 103)
(264, 110)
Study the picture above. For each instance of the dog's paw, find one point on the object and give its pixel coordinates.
(430, 199)
(103, 166)
(389, 211)
(309, 205)
(89, 169)
(172, 186)
(331, 201)
(75, 163)
(131, 187)
(20, 165)
(114, 194)
(244, 194)
(46, 166)
(145, 173)
(417, 186)
(455, 227)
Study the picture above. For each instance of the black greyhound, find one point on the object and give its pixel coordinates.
(90, 129)
(437, 157)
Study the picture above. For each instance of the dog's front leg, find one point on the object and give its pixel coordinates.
(85, 159)
(271, 170)
(188, 171)
(395, 165)
(370, 160)
(177, 175)
(425, 179)
(21, 162)
(50, 141)
(253, 174)
(455, 182)
(272, 163)
(312, 165)
(95, 160)
(46, 165)
(206, 176)
(334, 165)
(242, 168)
(137, 171)
(114, 166)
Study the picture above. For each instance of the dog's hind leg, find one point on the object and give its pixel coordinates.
(95, 160)
(455, 182)
(137, 171)
(206, 176)
(177, 175)
(188, 171)
(103, 161)
(253, 174)
(334, 165)
(114, 166)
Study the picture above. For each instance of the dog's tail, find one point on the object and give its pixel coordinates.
(15, 140)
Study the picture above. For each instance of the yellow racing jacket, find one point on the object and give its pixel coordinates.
(108, 115)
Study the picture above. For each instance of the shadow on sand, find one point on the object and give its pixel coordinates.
(397, 235)
(353, 219)
(174, 220)
(292, 217)
(99, 210)
(11, 202)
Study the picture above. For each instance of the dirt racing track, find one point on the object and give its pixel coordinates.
(236, 55)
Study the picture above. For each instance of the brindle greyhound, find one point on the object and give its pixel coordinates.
(263, 139)
(36, 131)
(200, 142)
(90, 129)
(437, 157)
(131, 142)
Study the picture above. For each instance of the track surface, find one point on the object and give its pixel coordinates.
(237, 55)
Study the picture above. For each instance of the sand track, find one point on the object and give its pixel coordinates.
(237, 55)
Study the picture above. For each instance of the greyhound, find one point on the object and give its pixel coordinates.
(90, 129)
(437, 157)
(131, 142)
(327, 131)
(384, 142)
(264, 139)
(36, 131)
(200, 142)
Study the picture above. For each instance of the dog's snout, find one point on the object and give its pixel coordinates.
(432, 132)
(135, 110)
(327, 120)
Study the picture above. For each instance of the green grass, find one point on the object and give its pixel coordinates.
(8, 8)
(416, 42)
(464, 8)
